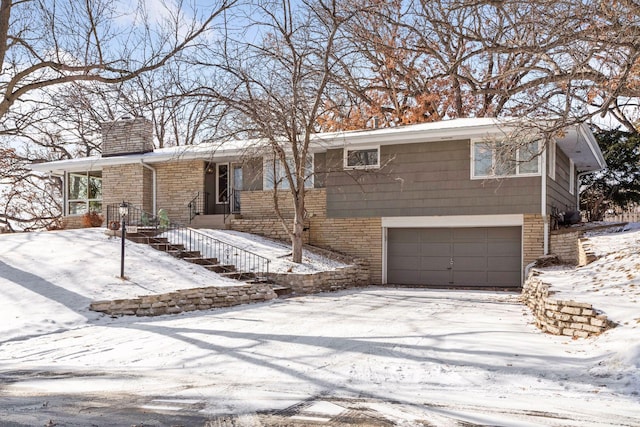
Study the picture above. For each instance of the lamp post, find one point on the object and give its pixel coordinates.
(123, 210)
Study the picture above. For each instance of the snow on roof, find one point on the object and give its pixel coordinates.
(228, 150)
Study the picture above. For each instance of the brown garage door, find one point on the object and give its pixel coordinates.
(449, 257)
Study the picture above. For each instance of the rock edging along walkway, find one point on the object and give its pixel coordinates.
(186, 300)
(561, 317)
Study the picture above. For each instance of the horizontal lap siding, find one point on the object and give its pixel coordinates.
(558, 194)
(422, 180)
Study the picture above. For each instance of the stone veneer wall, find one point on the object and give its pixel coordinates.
(71, 222)
(178, 182)
(186, 300)
(359, 238)
(532, 238)
(130, 183)
(561, 317)
(127, 136)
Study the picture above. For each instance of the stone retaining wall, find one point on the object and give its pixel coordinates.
(567, 243)
(325, 281)
(186, 300)
(561, 317)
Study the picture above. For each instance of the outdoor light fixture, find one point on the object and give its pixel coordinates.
(123, 210)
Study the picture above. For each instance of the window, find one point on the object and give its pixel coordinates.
(551, 156)
(274, 173)
(362, 158)
(497, 159)
(222, 189)
(84, 192)
(572, 177)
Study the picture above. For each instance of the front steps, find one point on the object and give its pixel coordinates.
(195, 257)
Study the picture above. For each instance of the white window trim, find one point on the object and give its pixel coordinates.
(267, 162)
(484, 177)
(346, 150)
(69, 200)
(572, 177)
(551, 169)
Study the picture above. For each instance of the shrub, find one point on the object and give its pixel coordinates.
(92, 219)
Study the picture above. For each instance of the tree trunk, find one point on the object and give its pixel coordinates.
(296, 237)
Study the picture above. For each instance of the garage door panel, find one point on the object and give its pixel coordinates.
(403, 235)
(433, 235)
(469, 249)
(470, 264)
(506, 233)
(469, 235)
(469, 278)
(404, 249)
(503, 278)
(404, 263)
(435, 249)
(503, 263)
(404, 277)
(435, 263)
(433, 278)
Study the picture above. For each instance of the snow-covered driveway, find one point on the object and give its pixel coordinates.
(409, 356)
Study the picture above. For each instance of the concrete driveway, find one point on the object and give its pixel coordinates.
(369, 357)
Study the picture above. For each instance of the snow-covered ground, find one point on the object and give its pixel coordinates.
(412, 356)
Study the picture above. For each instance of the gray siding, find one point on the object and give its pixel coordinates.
(558, 194)
(424, 179)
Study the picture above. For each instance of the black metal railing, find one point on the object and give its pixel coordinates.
(135, 217)
(227, 254)
(198, 205)
(192, 240)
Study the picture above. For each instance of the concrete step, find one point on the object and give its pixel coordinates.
(239, 275)
(202, 261)
(215, 222)
(139, 238)
(220, 268)
(166, 246)
(181, 253)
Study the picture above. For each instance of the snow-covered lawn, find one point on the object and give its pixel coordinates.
(415, 357)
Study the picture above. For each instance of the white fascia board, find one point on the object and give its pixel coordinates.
(158, 156)
(410, 134)
(590, 139)
(453, 221)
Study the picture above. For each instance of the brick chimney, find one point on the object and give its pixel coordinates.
(127, 136)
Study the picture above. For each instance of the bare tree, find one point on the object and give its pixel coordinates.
(276, 86)
(65, 66)
(564, 60)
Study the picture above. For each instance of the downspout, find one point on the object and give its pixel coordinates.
(153, 185)
(543, 203)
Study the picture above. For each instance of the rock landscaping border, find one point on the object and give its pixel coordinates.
(561, 317)
(186, 300)
(325, 281)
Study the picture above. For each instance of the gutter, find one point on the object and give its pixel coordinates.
(153, 185)
(543, 203)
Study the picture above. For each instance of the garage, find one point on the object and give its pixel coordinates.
(455, 257)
